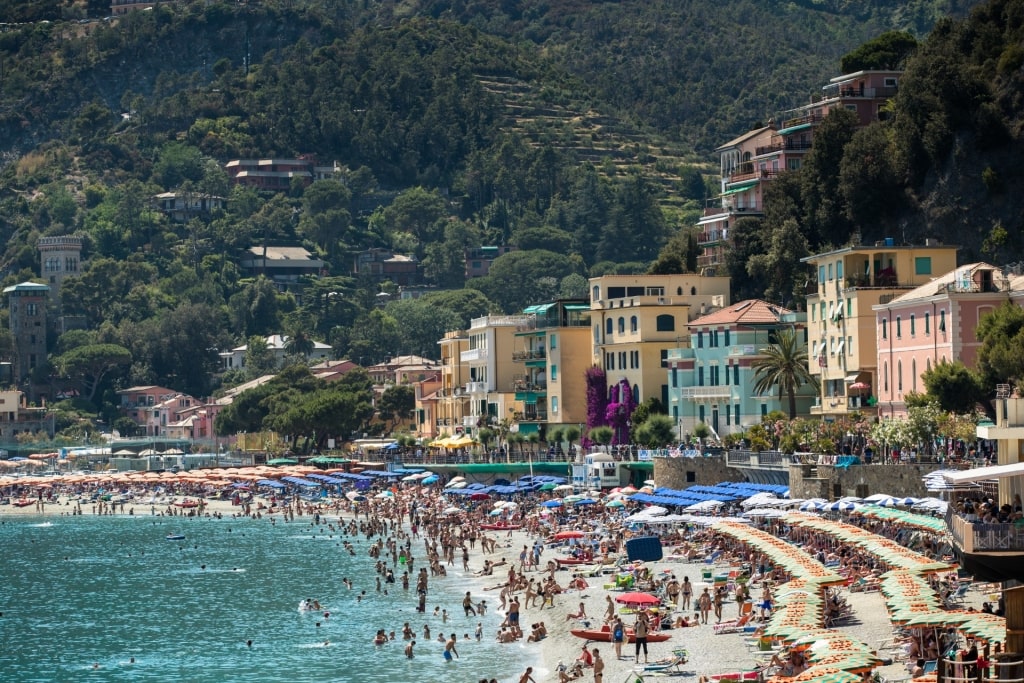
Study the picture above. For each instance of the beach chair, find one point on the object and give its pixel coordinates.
(710, 559)
(734, 626)
(957, 597)
(677, 659)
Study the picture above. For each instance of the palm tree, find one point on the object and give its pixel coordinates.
(783, 365)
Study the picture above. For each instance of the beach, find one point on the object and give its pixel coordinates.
(708, 652)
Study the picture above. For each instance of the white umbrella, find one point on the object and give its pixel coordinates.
(452, 511)
(842, 506)
(563, 487)
(457, 485)
(654, 510)
(758, 499)
(877, 498)
(763, 512)
(411, 477)
(704, 506)
(813, 504)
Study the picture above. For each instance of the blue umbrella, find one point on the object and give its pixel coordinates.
(432, 479)
(551, 504)
(585, 501)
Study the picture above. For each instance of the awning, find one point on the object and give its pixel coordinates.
(793, 129)
(984, 473)
(539, 308)
(739, 188)
(852, 378)
(577, 307)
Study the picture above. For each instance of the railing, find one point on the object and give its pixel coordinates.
(476, 388)
(711, 236)
(705, 392)
(529, 354)
(712, 259)
(472, 355)
(800, 120)
(775, 459)
(839, 91)
(973, 537)
(866, 282)
(519, 385)
(787, 146)
(537, 416)
(715, 211)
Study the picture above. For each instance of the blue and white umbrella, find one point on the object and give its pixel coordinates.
(842, 506)
(813, 505)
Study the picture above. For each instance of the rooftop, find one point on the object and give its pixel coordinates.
(960, 280)
(750, 312)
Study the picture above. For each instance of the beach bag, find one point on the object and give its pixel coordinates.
(618, 633)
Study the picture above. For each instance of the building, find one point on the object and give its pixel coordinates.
(552, 351)
(711, 381)
(119, 7)
(843, 327)
(403, 370)
(59, 258)
(138, 401)
(277, 345)
(935, 322)
(453, 408)
(758, 156)
(182, 207)
(491, 370)
(427, 407)
(383, 264)
(17, 417)
(27, 302)
(637, 319)
(479, 259)
(277, 175)
(284, 266)
(332, 370)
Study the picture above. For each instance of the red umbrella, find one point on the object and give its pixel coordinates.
(638, 599)
(479, 496)
(562, 535)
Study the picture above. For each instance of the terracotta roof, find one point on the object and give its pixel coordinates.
(751, 312)
(746, 136)
(939, 284)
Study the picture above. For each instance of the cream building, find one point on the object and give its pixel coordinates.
(490, 369)
(453, 401)
(637, 319)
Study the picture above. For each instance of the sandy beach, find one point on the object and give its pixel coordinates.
(709, 653)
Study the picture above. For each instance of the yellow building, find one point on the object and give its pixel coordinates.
(452, 399)
(552, 350)
(841, 326)
(636, 319)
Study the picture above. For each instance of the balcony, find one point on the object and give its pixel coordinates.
(975, 537)
(526, 385)
(699, 393)
(712, 237)
(469, 421)
(531, 416)
(474, 355)
(745, 173)
(784, 145)
(712, 259)
(476, 388)
(529, 354)
(801, 120)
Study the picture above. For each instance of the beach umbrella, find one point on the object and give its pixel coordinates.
(551, 504)
(452, 511)
(704, 506)
(495, 513)
(877, 498)
(615, 504)
(563, 487)
(479, 496)
(548, 486)
(636, 598)
(825, 674)
(584, 501)
(432, 479)
(813, 504)
(456, 485)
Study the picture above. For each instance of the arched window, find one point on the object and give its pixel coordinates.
(899, 376)
(597, 334)
(885, 377)
(636, 395)
(679, 291)
(885, 329)
(609, 327)
(666, 323)
(633, 323)
(693, 291)
(927, 364)
(622, 325)
(595, 294)
(913, 374)
(942, 320)
(899, 327)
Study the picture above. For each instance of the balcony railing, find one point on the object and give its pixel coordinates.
(529, 354)
(976, 537)
(476, 388)
(784, 146)
(705, 392)
(521, 385)
(535, 416)
(712, 259)
(711, 236)
(473, 355)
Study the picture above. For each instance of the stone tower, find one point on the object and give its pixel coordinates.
(28, 302)
(59, 258)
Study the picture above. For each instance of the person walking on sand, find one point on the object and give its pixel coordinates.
(704, 605)
(618, 636)
(640, 636)
(598, 667)
(686, 591)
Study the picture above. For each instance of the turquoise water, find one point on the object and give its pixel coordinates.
(79, 591)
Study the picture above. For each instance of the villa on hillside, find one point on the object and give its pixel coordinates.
(277, 345)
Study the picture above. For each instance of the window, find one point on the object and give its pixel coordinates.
(885, 377)
(728, 416)
(636, 394)
(923, 265)
(655, 291)
(839, 270)
(700, 376)
(899, 327)
(554, 404)
(675, 377)
(622, 360)
(849, 307)
(633, 324)
(885, 330)
(942, 320)
(553, 343)
(899, 376)
(31, 309)
(727, 369)
(821, 274)
(609, 361)
(927, 323)
(736, 414)
(597, 334)
(726, 337)
(595, 293)
(849, 346)
(609, 327)
(701, 413)
(764, 409)
(913, 374)
(700, 340)
(664, 358)
(814, 314)
(736, 374)
(554, 373)
(622, 325)
(830, 272)
(666, 323)
(890, 82)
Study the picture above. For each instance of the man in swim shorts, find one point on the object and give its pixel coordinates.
(598, 667)
(449, 649)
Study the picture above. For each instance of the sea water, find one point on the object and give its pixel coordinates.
(76, 592)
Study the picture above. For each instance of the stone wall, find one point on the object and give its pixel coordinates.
(681, 473)
(825, 481)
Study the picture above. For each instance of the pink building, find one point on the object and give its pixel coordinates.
(935, 322)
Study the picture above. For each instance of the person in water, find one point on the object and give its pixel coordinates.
(449, 649)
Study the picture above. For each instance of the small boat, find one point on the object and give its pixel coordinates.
(22, 502)
(604, 636)
(175, 537)
(188, 503)
(501, 527)
(737, 676)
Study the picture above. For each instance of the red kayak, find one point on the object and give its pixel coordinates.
(606, 636)
(501, 527)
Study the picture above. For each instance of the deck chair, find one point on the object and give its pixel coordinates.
(734, 626)
(957, 597)
(677, 659)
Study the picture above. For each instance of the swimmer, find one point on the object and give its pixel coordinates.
(449, 649)
(409, 647)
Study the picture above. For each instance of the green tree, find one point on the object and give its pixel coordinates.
(870, 186)
(259, 358)
(422, 323)
(601, 435)
(636, 229)
(781, 267)
(679, 255)
(783, 367)
(657, 431)
(91, 363)
(1001, 356)
(573, 286)
(956, 388)
(176, 163)
(520, 278)
(465, 303)
(887, 52)
(825, 215)
(397, 403)
(375, 336)
(572, 434)
(416, 211)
